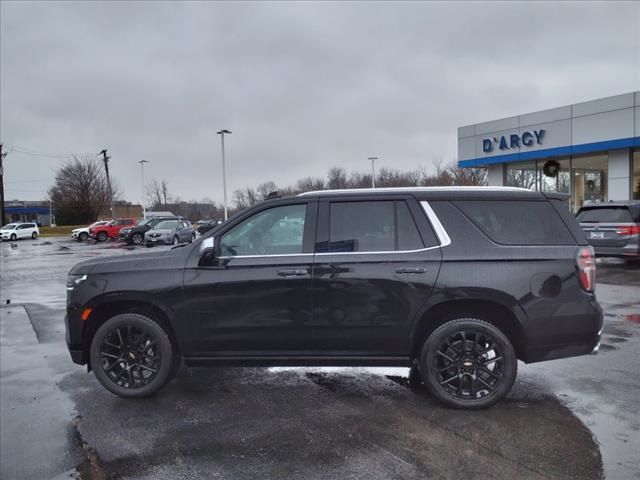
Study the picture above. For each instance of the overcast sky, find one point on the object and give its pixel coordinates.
(303, 86)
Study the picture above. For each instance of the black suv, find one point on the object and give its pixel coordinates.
(135, 235)
(458, 282)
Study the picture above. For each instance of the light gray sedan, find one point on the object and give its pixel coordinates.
(170, 232)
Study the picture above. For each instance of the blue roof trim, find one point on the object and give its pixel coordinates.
(552, 152)
(26, 210)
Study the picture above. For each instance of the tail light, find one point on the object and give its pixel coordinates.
(586, 264)
(627, 231)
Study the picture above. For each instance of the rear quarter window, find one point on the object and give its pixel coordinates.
(518, 222)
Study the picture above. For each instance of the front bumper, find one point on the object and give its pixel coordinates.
(157, 241)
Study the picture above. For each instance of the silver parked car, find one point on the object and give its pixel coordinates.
(612, 229)
(170, 232)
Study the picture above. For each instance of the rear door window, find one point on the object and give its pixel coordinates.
(605, 215)
(518, 222)
(374, 226)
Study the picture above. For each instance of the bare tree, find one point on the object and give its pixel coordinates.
(79, 190)
(337, 178)
(240, 199)
(308, 184)
(157, 191)
(264, 189)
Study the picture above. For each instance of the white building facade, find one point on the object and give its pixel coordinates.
(590, 150)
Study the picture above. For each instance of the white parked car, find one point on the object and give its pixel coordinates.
(82, 234)
(15, 231)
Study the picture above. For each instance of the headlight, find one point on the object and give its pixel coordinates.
(74, 280)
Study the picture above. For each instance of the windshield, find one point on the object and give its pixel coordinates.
(147, 221)
(166, 225)
(10, 226)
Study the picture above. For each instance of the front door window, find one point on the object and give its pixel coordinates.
(276, 231)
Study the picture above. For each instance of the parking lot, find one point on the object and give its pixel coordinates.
(574, 418)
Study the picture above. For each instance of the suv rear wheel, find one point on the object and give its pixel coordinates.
(132, 356)
(34, 235)
(468, 363)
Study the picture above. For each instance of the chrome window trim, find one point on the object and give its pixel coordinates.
(388, 252)
(441, 232)
(268, 256)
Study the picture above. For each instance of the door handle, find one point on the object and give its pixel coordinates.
(411, 270)
(296, 272)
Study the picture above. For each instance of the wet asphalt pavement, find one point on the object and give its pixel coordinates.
(573, 418)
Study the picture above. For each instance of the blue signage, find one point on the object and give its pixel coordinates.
(514, 140)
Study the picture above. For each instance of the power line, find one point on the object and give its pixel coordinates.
(36, 153)
(29, 181)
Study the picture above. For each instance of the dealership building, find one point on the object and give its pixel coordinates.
(590, 150)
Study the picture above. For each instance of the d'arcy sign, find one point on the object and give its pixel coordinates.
(527, 139)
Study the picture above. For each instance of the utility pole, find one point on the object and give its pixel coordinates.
(105, 159)
(144, 210)
(373, 171)
(2, 155)
(224, 172)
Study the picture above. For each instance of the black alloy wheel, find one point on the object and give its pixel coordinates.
(102, 236)
(136, 238)
(468, 363)
(84, 236)
(132, 356)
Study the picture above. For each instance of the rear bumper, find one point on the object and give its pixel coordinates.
(587, 343)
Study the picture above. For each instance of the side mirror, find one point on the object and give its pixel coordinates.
(207, 251)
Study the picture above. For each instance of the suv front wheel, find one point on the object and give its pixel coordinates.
(132, 356)
(468, 363)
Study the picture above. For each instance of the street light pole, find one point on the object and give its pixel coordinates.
(224, 172)
(373, 171)
(144, 210)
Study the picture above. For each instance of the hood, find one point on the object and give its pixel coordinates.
(136, 228)
(165, 259)
(83, 229)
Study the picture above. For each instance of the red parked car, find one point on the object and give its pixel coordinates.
(111, 229)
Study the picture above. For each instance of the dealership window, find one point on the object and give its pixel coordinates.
(554, 175)
(635, 176)
(589, 180)
(521, 174)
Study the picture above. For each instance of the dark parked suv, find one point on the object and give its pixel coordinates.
(458, 282)
(135, 235)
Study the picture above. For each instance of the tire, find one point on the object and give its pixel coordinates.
(34, 235)
(101, 237)
(84, 236)
(129, 382)
(136, 239)
(13, 237)
(193, 238)
(458, 369)
(176, 240)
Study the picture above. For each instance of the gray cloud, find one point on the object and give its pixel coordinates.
(303, 86)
